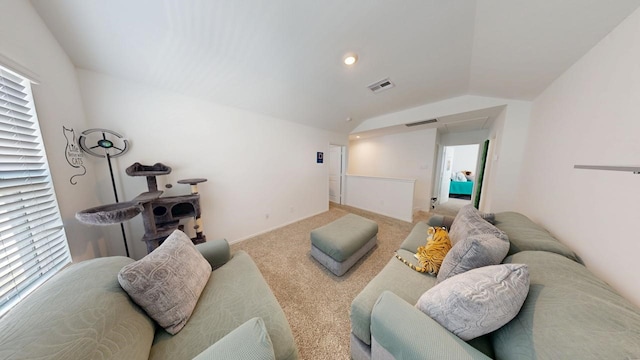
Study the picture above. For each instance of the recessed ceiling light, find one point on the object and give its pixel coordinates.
(350, 59)
(357, 136)
(348, 119)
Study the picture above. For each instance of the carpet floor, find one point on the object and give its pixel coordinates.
(316, 302)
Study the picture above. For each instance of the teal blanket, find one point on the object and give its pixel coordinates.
(461, 188)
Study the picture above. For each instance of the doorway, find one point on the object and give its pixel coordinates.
(457, 179)
(336, 173)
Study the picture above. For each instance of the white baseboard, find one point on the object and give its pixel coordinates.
(274, 228)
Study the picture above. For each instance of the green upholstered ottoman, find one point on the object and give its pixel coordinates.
(341, 243)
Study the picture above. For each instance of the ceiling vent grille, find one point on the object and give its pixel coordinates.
(421, 122)
(381, 85)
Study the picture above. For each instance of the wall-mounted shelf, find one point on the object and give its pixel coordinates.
(633, 169)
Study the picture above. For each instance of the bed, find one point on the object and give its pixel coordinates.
(461, 188)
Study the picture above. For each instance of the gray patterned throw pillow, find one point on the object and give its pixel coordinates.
(168, 282)
(473, 252)
(476, 243)
(478, 301)
(470, 221)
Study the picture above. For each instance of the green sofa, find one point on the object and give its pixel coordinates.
(569, 313)
(83, 313)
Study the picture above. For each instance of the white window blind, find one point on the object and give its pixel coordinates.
(33, 245)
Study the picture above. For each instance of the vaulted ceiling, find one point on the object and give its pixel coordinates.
(283, 58)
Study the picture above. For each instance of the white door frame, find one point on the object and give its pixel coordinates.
(343, 168)
(437, 176)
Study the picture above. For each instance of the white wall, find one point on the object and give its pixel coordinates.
(255, 164)
(387, 196)
(464, 138)
(465, 157)
(451, 106)
(590, 116)
(506, 149)
(27, 46)
(407, 155)
(508, 135)
(488, 183)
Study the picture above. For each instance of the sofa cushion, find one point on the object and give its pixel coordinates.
(569, 314)
(469, 222)
(167, 282)
(417, 237)
(395, 277)
(216, 252)
(235, 293)
(488, 217)
(479, 301)
(525, 235)
(431, 255)
(473, 252)
(400, 331)
(249, 341)
(80, 313)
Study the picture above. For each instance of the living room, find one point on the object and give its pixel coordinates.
(261, 167)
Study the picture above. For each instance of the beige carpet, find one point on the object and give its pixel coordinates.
(315, 301)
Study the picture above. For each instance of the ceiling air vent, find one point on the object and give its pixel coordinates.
(383, 84)
(421, 122)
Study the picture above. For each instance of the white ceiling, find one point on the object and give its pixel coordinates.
(283, 57)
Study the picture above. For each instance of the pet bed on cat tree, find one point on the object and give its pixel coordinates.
(110, 214)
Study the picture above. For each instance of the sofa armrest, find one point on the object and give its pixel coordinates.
(249, 341)
(217, 252)
(441, 220)
(404, 332)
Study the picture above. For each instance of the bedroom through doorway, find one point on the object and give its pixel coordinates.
(458, 178)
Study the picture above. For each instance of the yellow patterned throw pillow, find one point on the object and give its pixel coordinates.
(432, 254)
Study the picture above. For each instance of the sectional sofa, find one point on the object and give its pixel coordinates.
(568, 313)
(84, 313)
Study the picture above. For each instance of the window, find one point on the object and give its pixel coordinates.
(33, 245)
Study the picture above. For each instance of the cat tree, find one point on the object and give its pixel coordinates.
(160, 215)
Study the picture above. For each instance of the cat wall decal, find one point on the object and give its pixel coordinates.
(73, 154)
